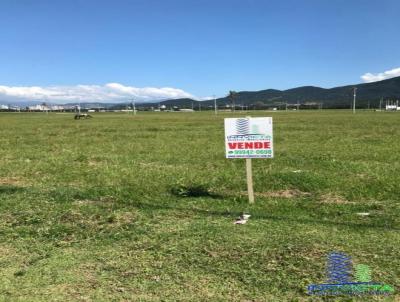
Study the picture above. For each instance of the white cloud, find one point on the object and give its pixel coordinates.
(207, 98)
(111, 92)
(370, 77)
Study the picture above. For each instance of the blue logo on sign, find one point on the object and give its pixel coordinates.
(339, 282)
(242, 126)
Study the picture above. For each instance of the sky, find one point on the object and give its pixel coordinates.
(112, 51)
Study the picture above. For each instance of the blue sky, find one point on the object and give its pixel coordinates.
(197, 48)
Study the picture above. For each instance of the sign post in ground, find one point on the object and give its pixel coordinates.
(249, 138)
(249, 176)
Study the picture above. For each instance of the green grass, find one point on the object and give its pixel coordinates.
(141, 208)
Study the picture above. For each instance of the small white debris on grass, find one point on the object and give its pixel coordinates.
(242, 219)
(363, 214)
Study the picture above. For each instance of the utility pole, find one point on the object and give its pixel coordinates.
(380, 104)
(133, 107)
(215, 105)
(354, 99)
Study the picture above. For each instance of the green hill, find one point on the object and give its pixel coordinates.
(337, 97)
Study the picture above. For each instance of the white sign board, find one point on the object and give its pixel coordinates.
(249, 137)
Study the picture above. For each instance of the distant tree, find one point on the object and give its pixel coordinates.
(232, 95)
(259, 105)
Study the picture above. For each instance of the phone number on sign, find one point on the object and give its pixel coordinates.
(237, 152)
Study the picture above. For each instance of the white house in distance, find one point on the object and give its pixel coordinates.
(39, 108)
(392, 106)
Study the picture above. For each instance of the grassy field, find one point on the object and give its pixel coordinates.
(141, 208)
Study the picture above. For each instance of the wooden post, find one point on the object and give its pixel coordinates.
(249, 176)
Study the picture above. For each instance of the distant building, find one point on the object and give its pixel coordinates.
(392, 106)
(57, 108)
(102, 109)
(39, 108)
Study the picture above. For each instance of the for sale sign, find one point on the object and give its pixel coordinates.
(249, 137)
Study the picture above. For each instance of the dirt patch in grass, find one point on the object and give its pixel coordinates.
(12, 181)
(106, 200)
(122, 218)
(289, 193)
(93, 163)
(98, 222)
(11, 185)
(6, 252)
(333, 198)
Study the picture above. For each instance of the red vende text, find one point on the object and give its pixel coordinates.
(250, 145)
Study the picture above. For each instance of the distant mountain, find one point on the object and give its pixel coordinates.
(181, 103)
(337, 97)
